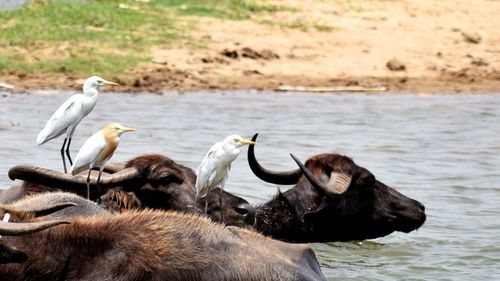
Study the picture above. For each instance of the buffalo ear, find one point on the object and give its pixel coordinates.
(365, 178)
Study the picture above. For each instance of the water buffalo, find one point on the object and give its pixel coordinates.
(145, 245)
(365, 209)
(148, 181)
(336, 200)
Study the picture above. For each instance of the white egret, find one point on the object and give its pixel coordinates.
(97, 150)
(213, 170)
(70, 113)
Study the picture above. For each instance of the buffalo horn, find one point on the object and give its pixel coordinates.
(113, 167)
(68, 182)
(44, 209)
(12, 229)
(338, 184)
(286, 178)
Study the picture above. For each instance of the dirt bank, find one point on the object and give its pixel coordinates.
(405, 46)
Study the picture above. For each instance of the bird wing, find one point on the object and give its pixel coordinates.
(89, 153)
(203, 174)
(207, 171)
(226, 175)
(66, 115)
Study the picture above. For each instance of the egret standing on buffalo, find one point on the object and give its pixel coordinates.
(213, 170)
(70, 113)
(97, 150)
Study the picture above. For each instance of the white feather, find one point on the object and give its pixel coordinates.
(214, 169)
(87, 156)
(71, 112)
(64, 120)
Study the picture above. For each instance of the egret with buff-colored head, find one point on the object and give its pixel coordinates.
(214, 169)
(70, 113)
(97, 150)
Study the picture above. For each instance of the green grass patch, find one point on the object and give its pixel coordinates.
(224, 9)
(299, 24)
(126, 25)
(95, 21)
(324, 27)
(107, 65)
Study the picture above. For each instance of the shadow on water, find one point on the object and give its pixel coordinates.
(441, 150)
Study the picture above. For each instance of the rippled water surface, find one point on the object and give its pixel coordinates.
(443, 150)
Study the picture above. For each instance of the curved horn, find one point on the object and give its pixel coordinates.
(42, 208)
(12, 229)
(113, 167)
(68, 182)
(289, 178)
(119, 178)
(338, 184)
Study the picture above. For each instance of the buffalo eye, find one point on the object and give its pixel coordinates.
(167, 178)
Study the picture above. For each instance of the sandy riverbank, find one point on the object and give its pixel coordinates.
(406, 46)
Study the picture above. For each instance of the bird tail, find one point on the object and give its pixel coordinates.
(42, 137)
(75, 170)
(201, 192)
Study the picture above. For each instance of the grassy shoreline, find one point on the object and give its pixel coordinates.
(106, 37)
(161, 45)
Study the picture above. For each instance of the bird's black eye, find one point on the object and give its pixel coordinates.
(236, 140)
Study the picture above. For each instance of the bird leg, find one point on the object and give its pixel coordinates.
(62, 155)
(99, 187)
(221, 208)
(88, 184)
(67, 152)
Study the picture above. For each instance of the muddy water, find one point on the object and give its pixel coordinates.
(443, 150)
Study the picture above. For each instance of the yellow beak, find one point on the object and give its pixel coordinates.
(128, 129)
(110, 83)
(244, 141)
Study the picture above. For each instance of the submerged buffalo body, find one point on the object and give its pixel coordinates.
(140, 245)
(333, 200)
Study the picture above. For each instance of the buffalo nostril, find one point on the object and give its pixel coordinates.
(241, 211)
(245, 209)
(421, 206)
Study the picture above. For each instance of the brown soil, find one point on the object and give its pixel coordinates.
(405, 46)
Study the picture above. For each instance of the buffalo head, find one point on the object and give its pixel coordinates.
(333, 200)
(162, 182)
(148, 181)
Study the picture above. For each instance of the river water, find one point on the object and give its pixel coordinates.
(442, 150)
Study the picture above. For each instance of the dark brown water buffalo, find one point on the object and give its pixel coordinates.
(144, 245)
(336, 200)
(148, 181)
(365, 209)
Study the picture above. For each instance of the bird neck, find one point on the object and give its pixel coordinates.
(90, 92)
(112, 139)
(232, 149)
